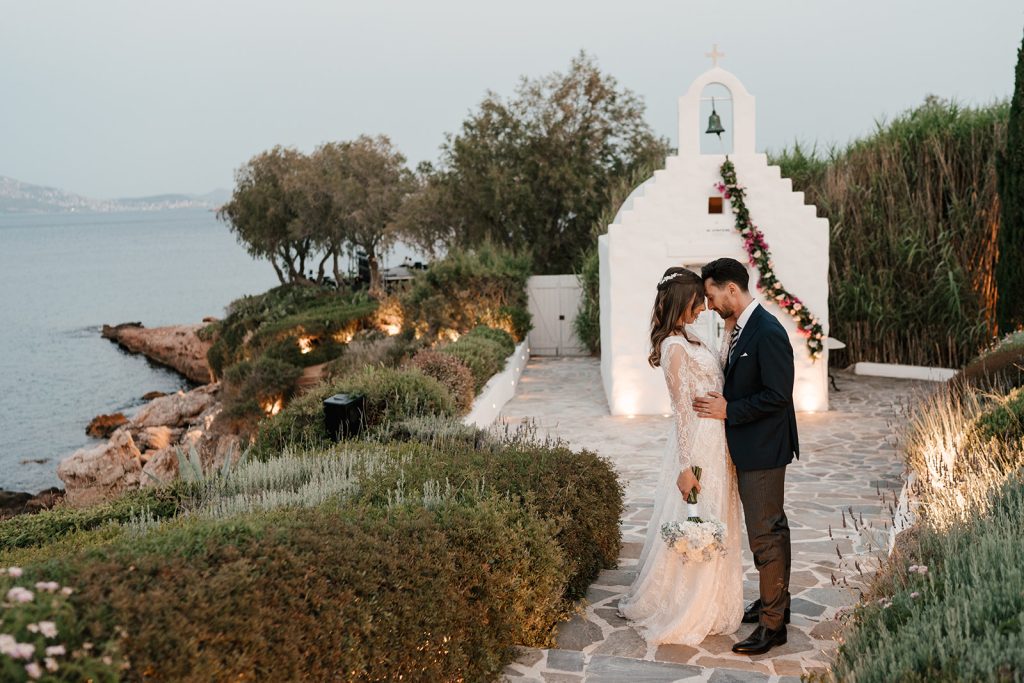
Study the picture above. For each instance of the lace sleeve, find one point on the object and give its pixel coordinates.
(723, 347)
(677, 365)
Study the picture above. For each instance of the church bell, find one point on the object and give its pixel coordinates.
(714, 122)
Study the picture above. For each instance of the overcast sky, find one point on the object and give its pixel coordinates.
(114, 98)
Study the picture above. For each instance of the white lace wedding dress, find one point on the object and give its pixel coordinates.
(671, 600)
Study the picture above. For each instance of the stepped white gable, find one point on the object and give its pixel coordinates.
(666, 222)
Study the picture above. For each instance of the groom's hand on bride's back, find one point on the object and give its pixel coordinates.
(711, 406)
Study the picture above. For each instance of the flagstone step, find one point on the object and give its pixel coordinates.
(563, 666)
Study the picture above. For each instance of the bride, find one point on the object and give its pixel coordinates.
(674, 601)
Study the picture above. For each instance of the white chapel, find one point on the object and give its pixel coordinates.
(678, 218)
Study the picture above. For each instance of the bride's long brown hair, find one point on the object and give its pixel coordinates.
(676, 296)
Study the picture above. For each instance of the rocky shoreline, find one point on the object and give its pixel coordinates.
(176, 346)
(142, 451)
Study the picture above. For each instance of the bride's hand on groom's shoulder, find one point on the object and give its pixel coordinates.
(686, 481)
(711, 406)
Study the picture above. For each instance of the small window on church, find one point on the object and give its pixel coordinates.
(714, 205)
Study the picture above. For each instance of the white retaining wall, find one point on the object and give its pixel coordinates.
(499, 390)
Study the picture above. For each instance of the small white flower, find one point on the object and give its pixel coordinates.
(55, 650)
(33, 628)
(33, 670)
(48, 586)
(51, 664)
(14, 572)
(22, 651)
(67, 590)
(19, 594)
(48, 629)
(915, 594)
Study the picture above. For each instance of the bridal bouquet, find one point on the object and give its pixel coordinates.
(696, 539)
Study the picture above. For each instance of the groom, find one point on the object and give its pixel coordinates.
(760, 427)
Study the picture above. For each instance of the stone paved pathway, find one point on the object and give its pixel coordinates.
(849, 463)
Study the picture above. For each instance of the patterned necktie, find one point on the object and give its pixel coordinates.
(732, 340)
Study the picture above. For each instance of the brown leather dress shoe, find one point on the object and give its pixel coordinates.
(752, 615)
(760, 641)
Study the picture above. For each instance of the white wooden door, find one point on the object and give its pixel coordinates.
(554, 301)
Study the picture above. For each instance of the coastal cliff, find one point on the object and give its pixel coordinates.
(176, 346)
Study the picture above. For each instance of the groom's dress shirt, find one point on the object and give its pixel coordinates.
(737, 331)
(741, 322)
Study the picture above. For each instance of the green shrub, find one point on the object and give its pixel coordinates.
(578, 491)
(288, 349)
(587, 323)
(965, 622)
(508, 344)
(249, 386)
(486, 286)
(484, 357)
(451, 372)
(325, 594)
(1004, 419)
(25, 531)
(277, 318)
(391, 394)
(300, 424)
(373, 348)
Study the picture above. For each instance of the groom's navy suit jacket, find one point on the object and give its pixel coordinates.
(760, 423)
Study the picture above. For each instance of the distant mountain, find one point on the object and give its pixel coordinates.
(19, 197)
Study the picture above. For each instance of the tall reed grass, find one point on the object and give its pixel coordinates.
(914, 216)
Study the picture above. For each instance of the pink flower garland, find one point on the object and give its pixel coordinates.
(760, 257)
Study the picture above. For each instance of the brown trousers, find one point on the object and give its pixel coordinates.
(762, 493)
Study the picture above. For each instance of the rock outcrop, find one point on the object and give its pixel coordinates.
(102, 426)
(19, 503)
(144, 451)
(176, 410)
(177, 346)
(93, 475)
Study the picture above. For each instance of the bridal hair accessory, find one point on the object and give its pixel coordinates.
(667, 278)
(695, 540)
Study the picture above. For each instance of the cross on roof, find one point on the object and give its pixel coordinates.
(714, 54)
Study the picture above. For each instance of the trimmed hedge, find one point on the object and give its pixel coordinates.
(325, 594)
(508, 344)
(578, 491)
(391, 394)
(451, 372)
(484, 357)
